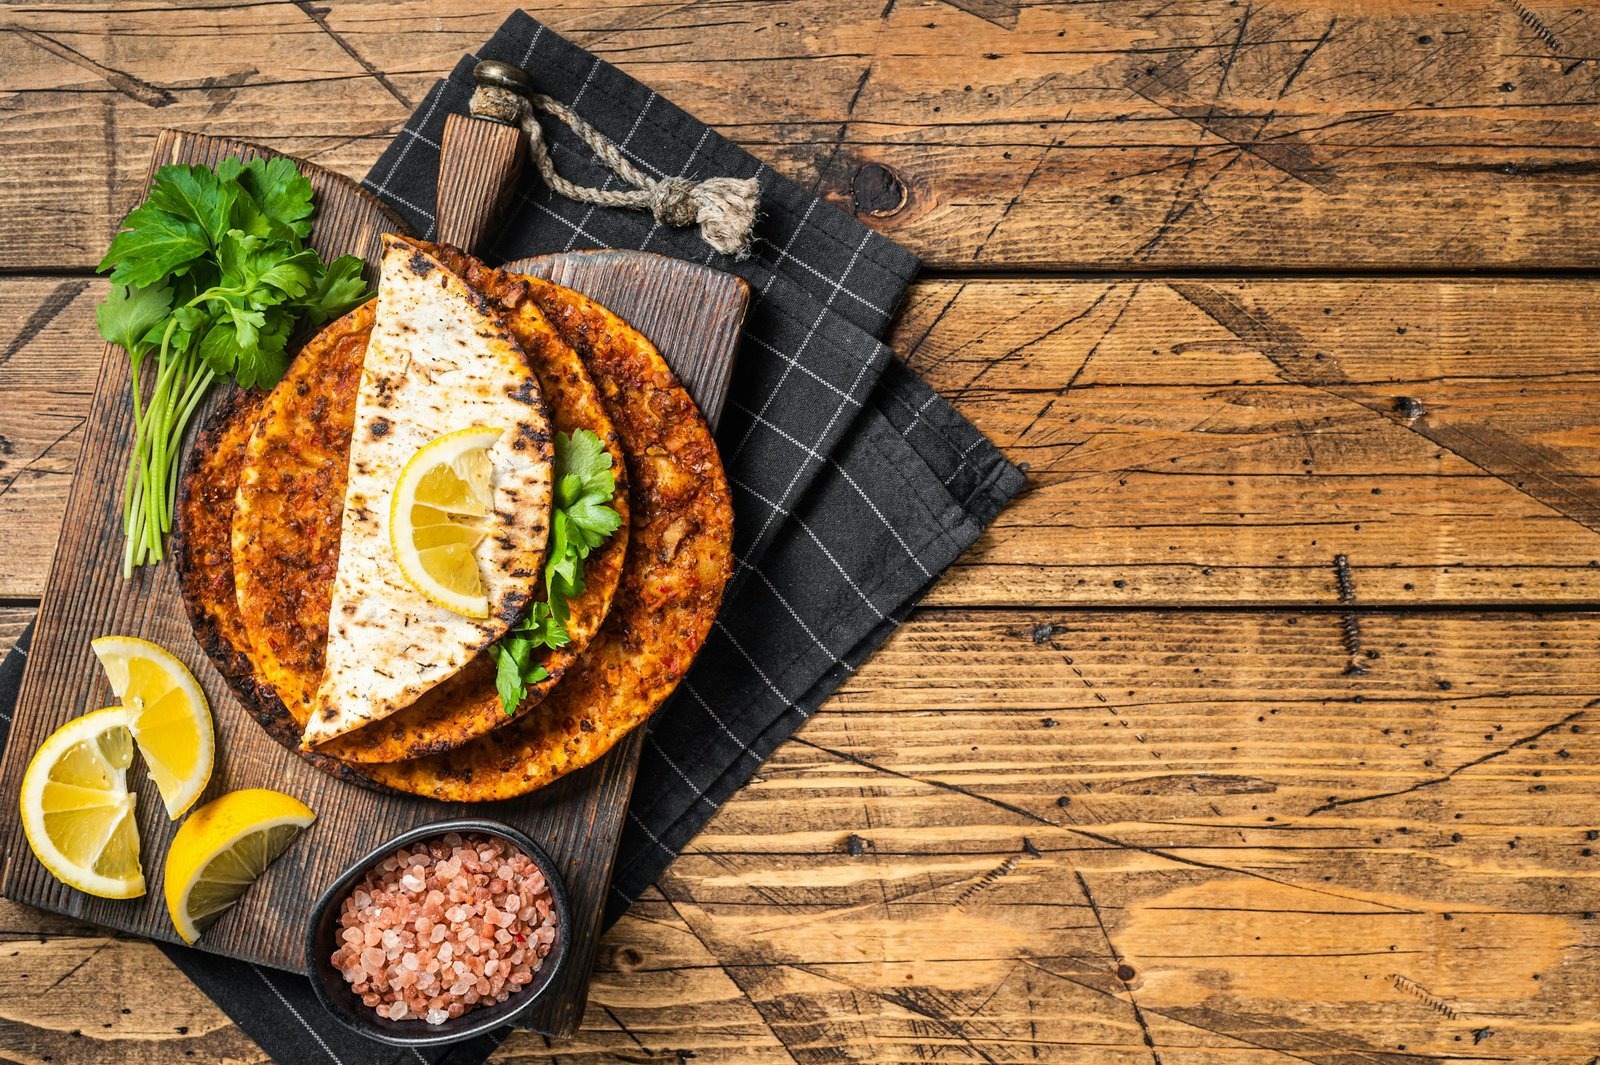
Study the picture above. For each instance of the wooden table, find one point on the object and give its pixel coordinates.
(1262, 727)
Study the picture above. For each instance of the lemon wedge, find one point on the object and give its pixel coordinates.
(441, 511)
(77, 811)
(222, 848)
(168, 714)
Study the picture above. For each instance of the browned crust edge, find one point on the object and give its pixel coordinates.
(234, 415)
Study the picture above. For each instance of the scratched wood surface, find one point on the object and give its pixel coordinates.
(1191, 441)
(1250, 287)
(993, 133)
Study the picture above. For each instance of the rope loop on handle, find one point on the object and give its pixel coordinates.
(724, 208)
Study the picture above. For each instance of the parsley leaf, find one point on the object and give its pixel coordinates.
(281, 194)
(129, 314)
(514, 671)
(211, 274)
(162, 244)
(340, 287)
(581, 519)
(195, 193)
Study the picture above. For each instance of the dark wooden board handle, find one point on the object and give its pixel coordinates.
(479, 162)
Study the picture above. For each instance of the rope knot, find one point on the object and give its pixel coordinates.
(725, 208)
(674, 203)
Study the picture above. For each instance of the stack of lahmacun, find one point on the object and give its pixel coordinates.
(306, 597)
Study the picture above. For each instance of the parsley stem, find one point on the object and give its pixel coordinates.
(199, 384)
(131, 479)
(154, 440)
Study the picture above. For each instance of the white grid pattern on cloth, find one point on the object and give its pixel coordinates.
(744, 748)
(754, 665)
(653, 837)
(788, 606)
(917, 417)
(789, 364)
(778, 431)
(622, 146)
(821, 545)
(844, 396)
(382, 189)
(326, 1049)
(837, 285)
(699, 795)
(791, 361)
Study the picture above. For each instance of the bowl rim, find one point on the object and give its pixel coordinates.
(318, 965)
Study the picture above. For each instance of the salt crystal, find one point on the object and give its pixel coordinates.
(441, 927)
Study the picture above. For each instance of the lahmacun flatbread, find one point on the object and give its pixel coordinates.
(439, 361)
(677, 563)
(679, 560)
(203, 555)
(286, 525)
(288, 507)
(467, 705)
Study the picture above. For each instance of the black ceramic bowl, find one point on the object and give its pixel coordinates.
(335, 994)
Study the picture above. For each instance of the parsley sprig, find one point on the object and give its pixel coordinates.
(582, 519)
(210, 275)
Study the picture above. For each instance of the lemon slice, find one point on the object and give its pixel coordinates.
(169, 716)
(222, 848)
(77, 811)
(440, 512)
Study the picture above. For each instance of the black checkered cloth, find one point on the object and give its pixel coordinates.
(855, 484)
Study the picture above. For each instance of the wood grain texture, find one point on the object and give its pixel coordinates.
(1141, 794)
(1189, 441)
(692, 314)
(479, 161)
(829, 912)
(986, 133)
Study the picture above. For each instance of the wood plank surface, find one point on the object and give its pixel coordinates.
(987, 133)
(1144, 783)
(1070, 831)
(1189, 441)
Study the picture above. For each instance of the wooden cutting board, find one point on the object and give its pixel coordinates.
(691, 313)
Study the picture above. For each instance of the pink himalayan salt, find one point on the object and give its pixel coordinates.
(410, 957)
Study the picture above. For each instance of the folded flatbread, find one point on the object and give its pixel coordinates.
(678, 560)
(467, 705)
(438, 361)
